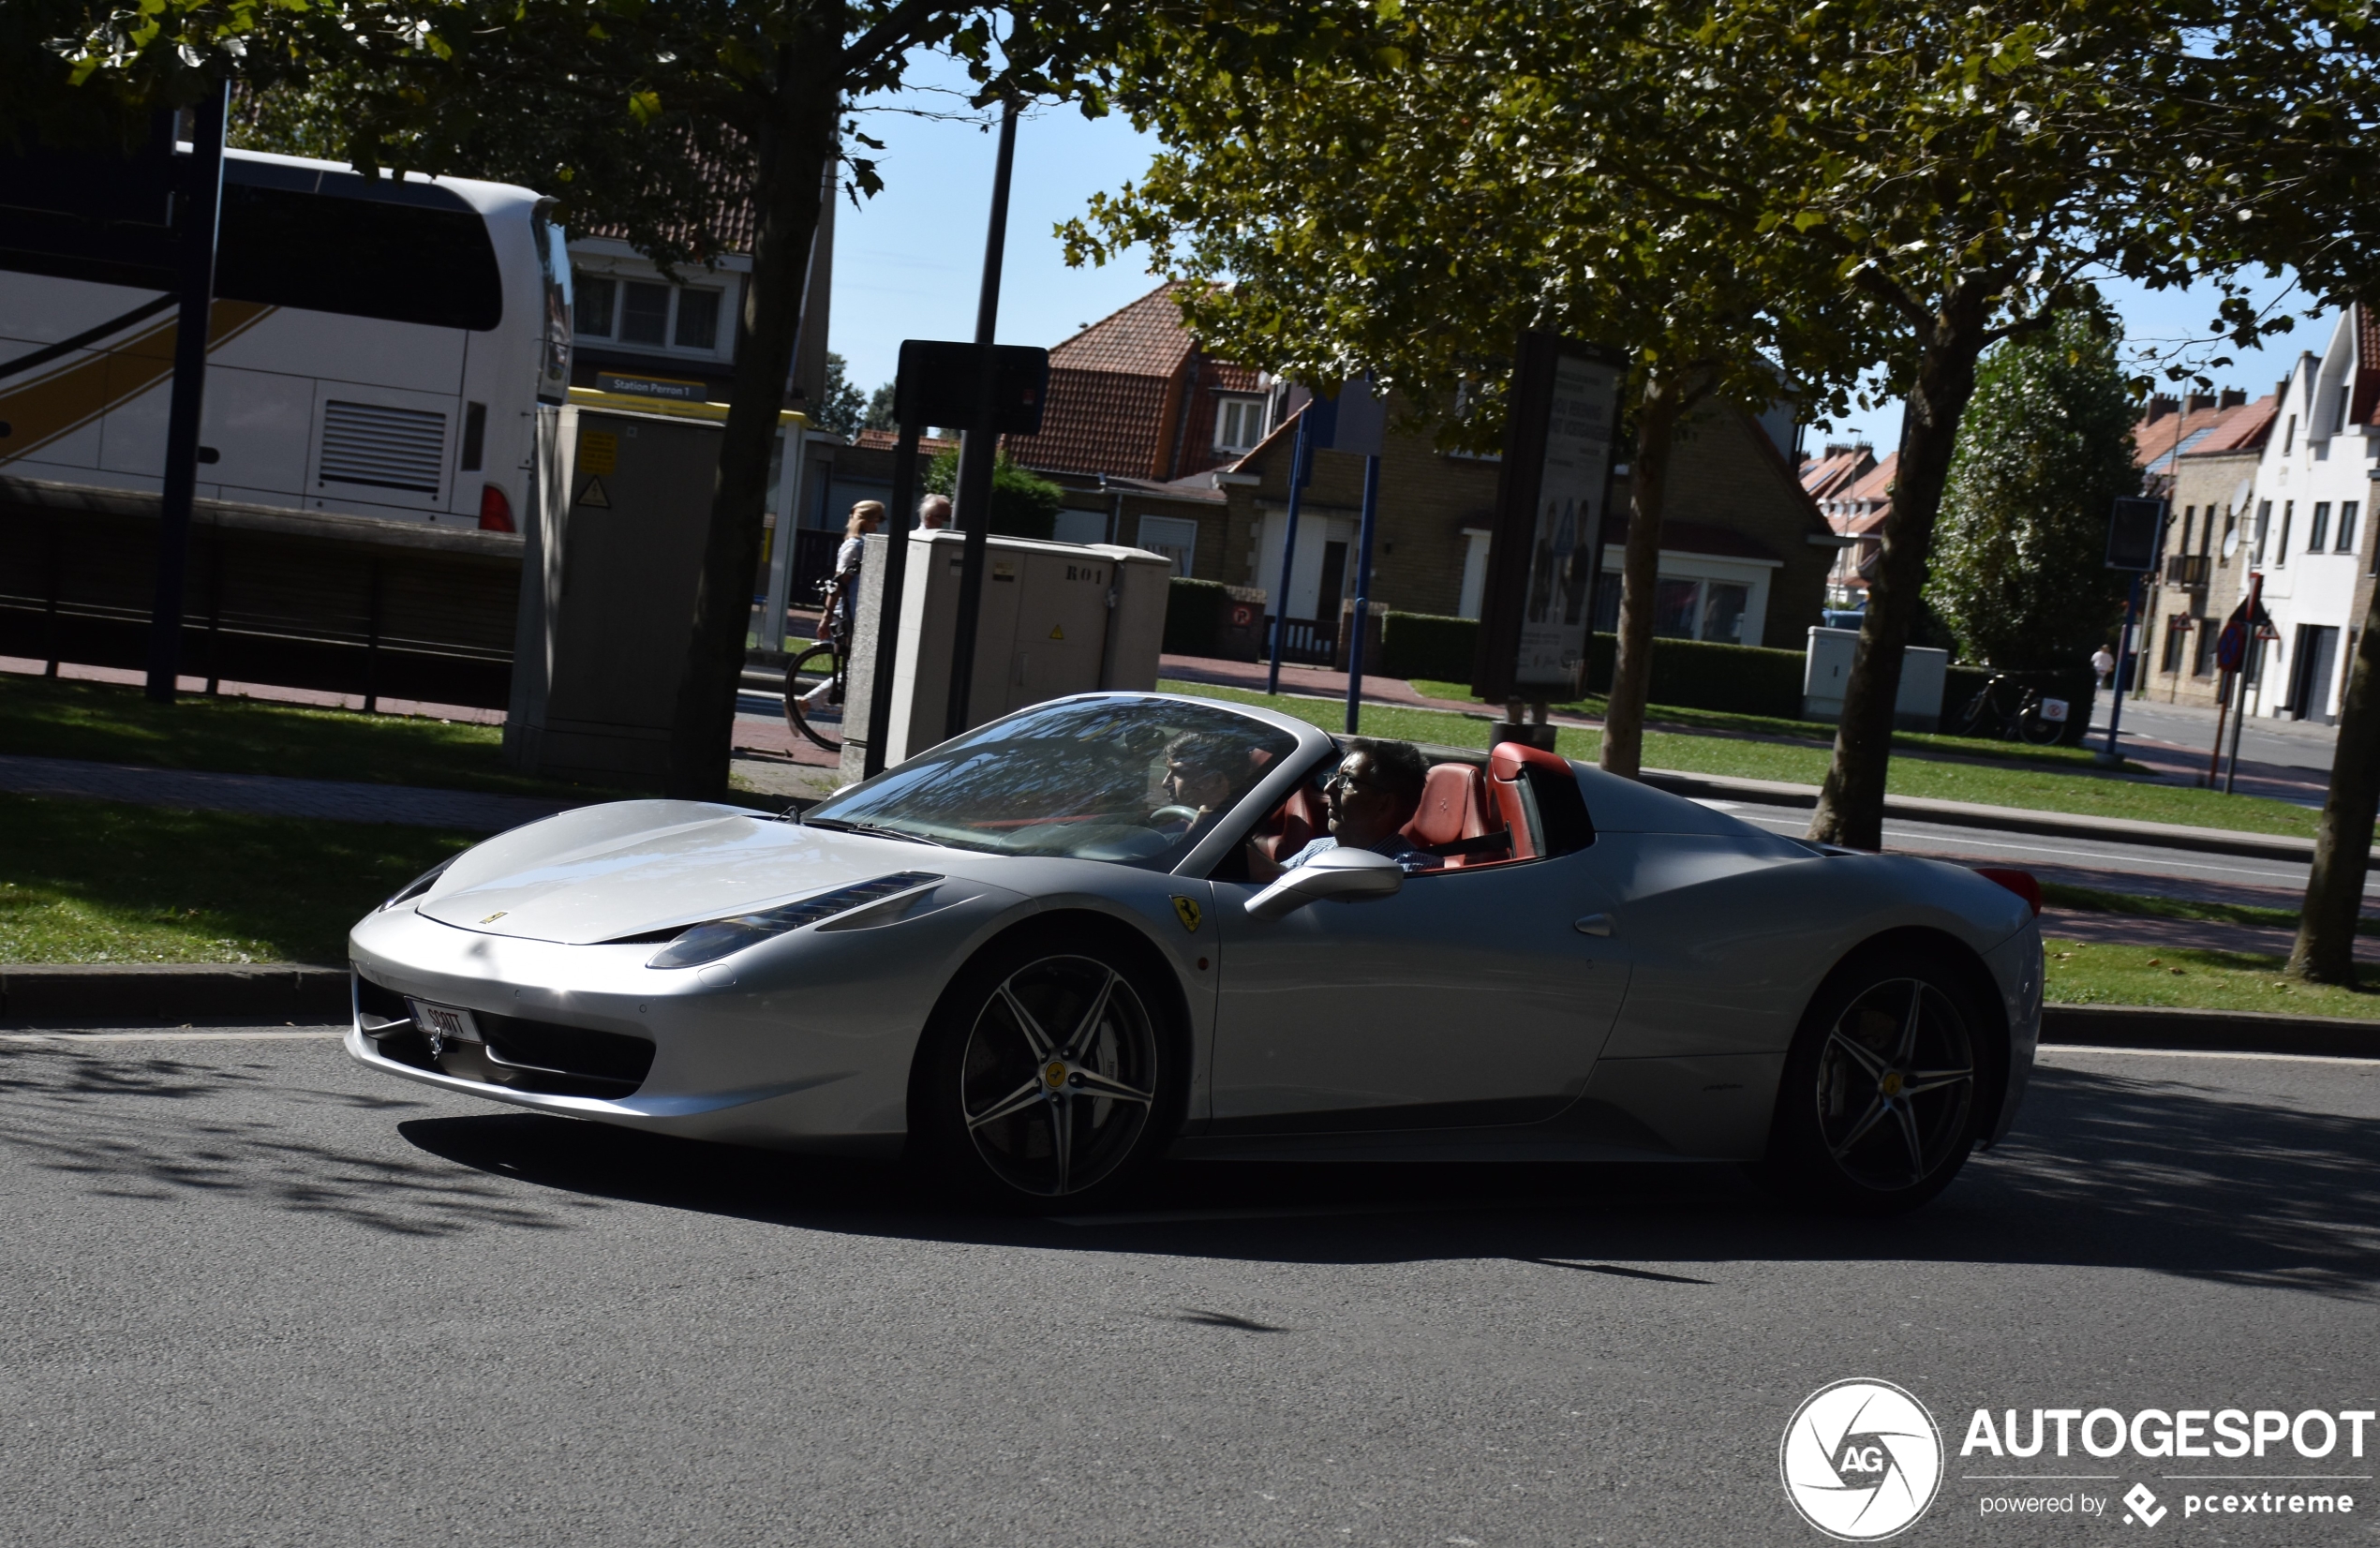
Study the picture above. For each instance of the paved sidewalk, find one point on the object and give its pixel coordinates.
(268, 794)
(309, 699)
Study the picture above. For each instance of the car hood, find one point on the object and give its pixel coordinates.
(635, 867)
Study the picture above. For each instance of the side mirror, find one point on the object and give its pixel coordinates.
(1344, 874)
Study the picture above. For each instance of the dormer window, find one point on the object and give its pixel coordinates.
(1238, 424)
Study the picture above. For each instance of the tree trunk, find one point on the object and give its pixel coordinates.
(2326, 949)
(1850, 804)
(1657, 418)
(795, 136)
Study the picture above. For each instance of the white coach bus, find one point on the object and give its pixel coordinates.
(378, 347)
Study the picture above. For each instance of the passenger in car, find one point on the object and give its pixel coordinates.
(1373, 795)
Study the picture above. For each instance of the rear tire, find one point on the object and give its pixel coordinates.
(1051, 1075)
(2034, 728)
(1883, 1094)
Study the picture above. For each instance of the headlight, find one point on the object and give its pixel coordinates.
(709, 943)
(419, 885)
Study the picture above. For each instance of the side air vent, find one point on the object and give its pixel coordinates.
(383, 448)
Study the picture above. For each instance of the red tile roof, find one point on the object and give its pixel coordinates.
(1825, 476)
(1119, 389)
(1144, 338)
(890, 441)
(2242, 429)
(1098, 422)
(728, 179)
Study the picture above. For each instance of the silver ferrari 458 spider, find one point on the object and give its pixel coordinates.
(1122, 925)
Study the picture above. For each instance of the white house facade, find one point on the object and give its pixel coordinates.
(2310, 533)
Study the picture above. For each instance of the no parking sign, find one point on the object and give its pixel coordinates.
(2231, 645)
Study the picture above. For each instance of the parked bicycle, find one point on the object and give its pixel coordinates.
(2009, 709)
(814, 678)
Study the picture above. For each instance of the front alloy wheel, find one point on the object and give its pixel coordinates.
(1059, 1075)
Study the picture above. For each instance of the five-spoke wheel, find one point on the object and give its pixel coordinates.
(1879, 1102)
(1047, 1078)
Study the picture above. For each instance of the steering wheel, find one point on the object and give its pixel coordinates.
(1173, 814)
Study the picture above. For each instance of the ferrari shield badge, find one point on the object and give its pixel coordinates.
(1186, 910)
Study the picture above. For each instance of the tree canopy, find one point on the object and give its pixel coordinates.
(2044, 449)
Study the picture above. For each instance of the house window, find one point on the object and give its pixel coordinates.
(2177, 630)
(1175, 537)
(595, 300)
(644, 313)
(2318, 530)
(1723, 612)
(2289, 437)
(2348, 510)
(697, 320)
(2280, 543)
(2208, 636)
(2264, 525)
(1238, 424)
(2189, 511)
(2339, 420)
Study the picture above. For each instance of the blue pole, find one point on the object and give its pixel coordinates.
(1299, 457)
(1362, 593)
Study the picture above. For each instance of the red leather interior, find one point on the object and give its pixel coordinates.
(1450, 807)
(1511, 798)
(1301, 817)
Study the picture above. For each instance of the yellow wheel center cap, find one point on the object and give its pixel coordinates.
(1892, 1084)
(1055, 1073)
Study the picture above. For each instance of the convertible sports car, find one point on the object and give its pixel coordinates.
(1047, 952)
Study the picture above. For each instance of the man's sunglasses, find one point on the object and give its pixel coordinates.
(1345, 780)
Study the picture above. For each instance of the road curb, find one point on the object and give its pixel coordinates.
(173, 993)
(2209, 1031)
(2004, 819)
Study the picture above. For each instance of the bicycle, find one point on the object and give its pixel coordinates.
(824, 663)
(2031, 719)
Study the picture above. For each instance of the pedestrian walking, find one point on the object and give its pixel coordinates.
(2102, 660)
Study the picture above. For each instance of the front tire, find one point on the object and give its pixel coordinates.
(1881, 1098)
(1051, 1075)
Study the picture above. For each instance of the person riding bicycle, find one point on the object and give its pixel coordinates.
(834, 618)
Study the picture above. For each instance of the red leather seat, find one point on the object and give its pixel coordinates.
(1453, 807)
(1301, 817)
(1505, 766)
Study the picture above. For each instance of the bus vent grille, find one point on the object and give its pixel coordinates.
(382, 447)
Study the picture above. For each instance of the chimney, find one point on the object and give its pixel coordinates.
(1836, 449)
(2197, 403)
(2160, 406)
(2233, 397)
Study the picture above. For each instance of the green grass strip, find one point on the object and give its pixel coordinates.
(2095, 972)
(109, 722)
(97, 882)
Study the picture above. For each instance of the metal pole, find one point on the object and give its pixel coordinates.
(201, 201)
(896, 577)
(1363, 591)
(979, 447)
(1300, 457)
(2123, 655)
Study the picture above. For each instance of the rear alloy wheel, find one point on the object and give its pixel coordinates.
(1049, 1079)
(1878, 1107)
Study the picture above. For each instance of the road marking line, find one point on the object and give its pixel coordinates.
(2210, 1054)
(156, 1036)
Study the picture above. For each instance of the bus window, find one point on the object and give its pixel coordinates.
(399, 262)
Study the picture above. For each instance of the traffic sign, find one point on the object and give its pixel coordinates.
(2231, 645)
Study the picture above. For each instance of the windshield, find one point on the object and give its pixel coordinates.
(1133, 782)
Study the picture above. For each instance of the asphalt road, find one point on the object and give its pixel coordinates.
(255, 1295)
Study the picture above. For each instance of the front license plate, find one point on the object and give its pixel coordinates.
(445, 1021)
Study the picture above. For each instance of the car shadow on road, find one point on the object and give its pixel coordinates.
(2103, 1170)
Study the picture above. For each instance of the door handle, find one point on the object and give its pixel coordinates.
(1593, 924)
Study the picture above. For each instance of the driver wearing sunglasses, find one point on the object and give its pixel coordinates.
(1374, 793)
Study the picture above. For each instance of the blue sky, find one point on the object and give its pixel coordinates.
(909, 262)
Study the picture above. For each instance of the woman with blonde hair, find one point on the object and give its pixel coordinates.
(834, 618)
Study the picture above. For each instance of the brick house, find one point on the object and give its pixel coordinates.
(2198, 452)
(1853, 488)
(1745, 553)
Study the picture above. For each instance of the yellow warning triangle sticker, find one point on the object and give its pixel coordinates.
(593, 494)
(1057, 631)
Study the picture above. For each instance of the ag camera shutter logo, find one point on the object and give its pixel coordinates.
(1862, 1460)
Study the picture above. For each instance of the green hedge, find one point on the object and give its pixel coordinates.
(1427, 644)
(1737, 680)
(1194, 616)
